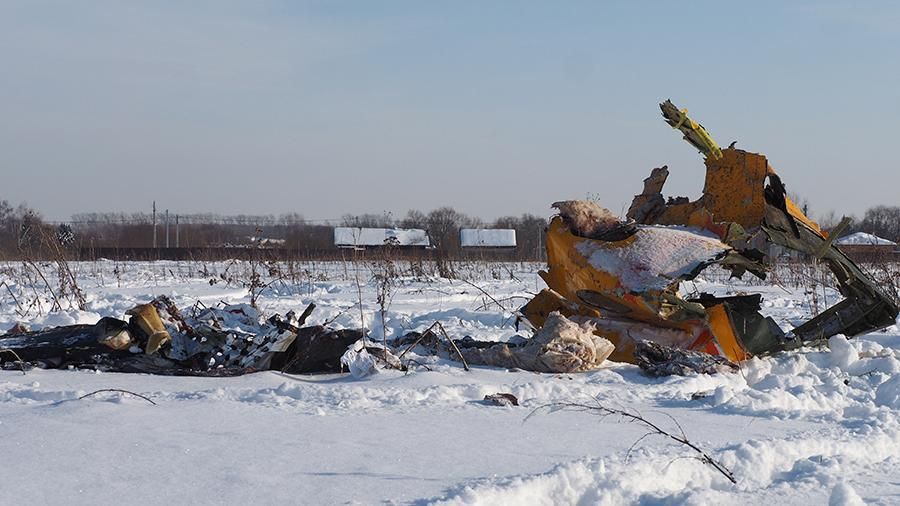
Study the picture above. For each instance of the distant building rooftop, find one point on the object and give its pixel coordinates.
(863, 239)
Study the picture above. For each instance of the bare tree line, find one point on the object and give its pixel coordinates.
(23, 228)
(98, 231)
(881, 220)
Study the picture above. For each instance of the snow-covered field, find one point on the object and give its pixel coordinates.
(815, 426)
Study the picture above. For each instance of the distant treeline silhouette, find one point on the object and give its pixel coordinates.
(23, 231)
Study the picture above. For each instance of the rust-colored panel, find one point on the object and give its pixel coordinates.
(678, 214)
(734, 189)
(570, 272)
(634, 316)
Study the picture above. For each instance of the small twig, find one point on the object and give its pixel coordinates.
(484, 306)
(11, 294)
(634, 445)
(653, 430)
(512, 275)
(421, 291)
(362, 319)
(680, 428)
(117, 390)
(269, 284)
(420, 364)
(461, 357)
(18, 359)
(430, 330)
(501, 306)
(414, 344)
(37, 270)
(335, 317)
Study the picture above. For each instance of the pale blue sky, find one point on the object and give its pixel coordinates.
(495, 108)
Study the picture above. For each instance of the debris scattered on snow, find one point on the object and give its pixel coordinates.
(588, 219)
(660, 360)
(18, 328)
(358, 361)
(502, 399)
(560, 346)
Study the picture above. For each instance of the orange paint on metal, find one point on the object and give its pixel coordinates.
(569, 272)
(734, 188)
(725, 335)
(797, 213)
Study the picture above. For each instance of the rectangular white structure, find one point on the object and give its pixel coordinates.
(487, 238)
(349, 237)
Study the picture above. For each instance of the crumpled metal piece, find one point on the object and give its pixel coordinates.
(626, 285)
(660, 360)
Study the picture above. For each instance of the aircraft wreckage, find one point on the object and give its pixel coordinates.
(622, 276)
(613, 292)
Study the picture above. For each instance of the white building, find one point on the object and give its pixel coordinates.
(356, 237)
(487, 238)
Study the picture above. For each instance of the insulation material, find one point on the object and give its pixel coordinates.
(586, 218)
(358, 361)
(560, 346)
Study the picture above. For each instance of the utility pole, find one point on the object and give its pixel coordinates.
(176, 231)
(167, 229)
(154, 224)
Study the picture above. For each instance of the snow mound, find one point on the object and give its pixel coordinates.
(844, 495)
(843, 353)
(888, 393)
(864, 239)
(770, 467)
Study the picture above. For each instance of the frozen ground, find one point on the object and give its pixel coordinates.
(815, 426)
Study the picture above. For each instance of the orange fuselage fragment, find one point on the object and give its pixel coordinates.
(620, 311)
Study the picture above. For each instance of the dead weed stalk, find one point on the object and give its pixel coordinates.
(652, 430)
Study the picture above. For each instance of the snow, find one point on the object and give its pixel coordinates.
(818, 425)
(843, 353)
(653, 257)
(888, 393)
(844, 495)
(481, 237)
(862, 238)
